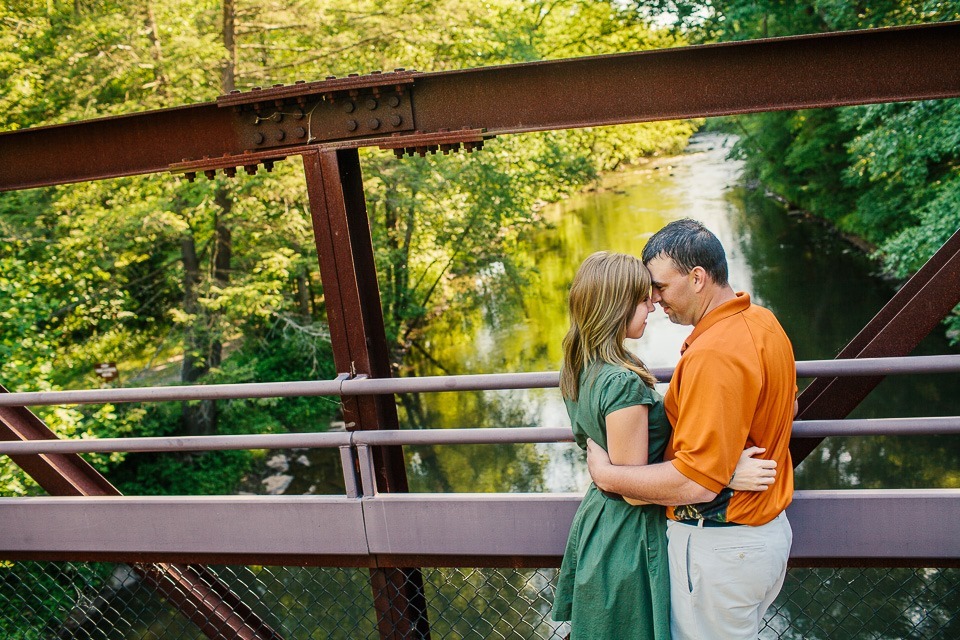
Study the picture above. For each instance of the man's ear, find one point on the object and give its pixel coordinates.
(698, 277)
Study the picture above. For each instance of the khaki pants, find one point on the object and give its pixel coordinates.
(722, 579)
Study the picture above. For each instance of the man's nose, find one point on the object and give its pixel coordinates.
(655, 296)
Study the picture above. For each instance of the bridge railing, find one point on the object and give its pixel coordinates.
(881, 558)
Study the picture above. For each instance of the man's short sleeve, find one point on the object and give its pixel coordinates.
(717, 403)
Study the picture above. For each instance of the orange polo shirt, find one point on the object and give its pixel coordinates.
(733, 388)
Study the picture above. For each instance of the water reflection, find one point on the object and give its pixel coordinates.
(821, 288)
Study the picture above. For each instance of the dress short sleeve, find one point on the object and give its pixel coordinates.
(621, 389)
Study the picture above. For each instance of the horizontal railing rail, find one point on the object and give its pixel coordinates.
(461, 436)
(360, 386)
(363, 527)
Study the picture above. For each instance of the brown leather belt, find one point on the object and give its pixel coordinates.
(709, 523)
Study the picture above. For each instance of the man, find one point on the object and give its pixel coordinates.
(734, 387)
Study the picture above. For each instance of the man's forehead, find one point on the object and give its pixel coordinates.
(662, 268)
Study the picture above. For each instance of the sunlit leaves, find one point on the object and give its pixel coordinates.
(885, 173)
(95, 272)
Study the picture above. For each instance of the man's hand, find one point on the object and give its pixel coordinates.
(597, 462)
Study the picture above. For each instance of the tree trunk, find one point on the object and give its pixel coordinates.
(203, 348)
(198, 418)
(222, 254)
(156, 50)
(229, 66)
(303, 296)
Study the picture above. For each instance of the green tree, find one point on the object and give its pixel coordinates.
(884, 173)
(215, 277)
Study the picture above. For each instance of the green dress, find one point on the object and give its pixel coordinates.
(614, 581)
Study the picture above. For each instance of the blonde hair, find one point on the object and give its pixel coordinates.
(603, 298)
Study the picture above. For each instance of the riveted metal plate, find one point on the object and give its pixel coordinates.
(377, 104)
(333, 117)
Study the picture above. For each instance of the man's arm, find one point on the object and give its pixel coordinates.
(656, 483)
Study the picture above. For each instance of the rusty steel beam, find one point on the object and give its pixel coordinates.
(913, 312)
(193, 590)
(797, 72)
(349, 277)
(820, 70)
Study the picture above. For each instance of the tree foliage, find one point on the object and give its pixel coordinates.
(218, 280)
(886, 173)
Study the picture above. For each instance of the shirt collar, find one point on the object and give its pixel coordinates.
(722, 312)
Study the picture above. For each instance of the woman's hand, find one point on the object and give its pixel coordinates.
(598, 461)
(753, 474)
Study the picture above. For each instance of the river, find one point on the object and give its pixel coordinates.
(822, 288)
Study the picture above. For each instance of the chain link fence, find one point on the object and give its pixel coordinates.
(100, 601)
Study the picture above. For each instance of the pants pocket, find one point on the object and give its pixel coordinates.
(741, 550)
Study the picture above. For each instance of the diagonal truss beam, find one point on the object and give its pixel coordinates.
(913, 312)
(820, 70)
(192, 589)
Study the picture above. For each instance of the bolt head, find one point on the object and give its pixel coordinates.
(373, 123)
(371, 103)
(300, 132)
(280, 135)
(352, 125)
(394, 101)
(349, 106)
(258, 137)
(396, 120)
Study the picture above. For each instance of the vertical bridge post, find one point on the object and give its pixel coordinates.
(349, 277)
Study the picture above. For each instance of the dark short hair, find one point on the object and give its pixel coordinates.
(689, 244)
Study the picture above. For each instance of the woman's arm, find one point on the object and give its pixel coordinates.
(628, 438)
(753, 474)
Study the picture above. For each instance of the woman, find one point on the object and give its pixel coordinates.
(613, 581)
